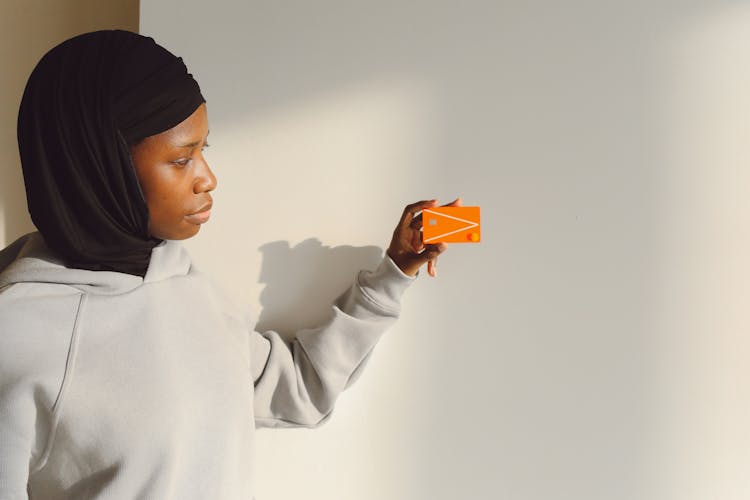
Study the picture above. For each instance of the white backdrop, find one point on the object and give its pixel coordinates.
(595, 344)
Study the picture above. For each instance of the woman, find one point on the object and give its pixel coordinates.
(123, 372)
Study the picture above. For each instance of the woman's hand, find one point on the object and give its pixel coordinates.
(406, 248)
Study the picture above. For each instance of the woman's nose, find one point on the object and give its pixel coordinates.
(205, 181)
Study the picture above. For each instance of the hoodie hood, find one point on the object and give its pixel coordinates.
(30, 260)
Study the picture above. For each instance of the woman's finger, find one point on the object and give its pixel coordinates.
(429, 256)
(458, 202)
(416, 222)
(416, 241)
(411, 210)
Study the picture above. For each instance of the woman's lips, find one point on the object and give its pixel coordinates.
(199, 217)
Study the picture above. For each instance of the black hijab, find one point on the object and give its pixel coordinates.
(85, 103)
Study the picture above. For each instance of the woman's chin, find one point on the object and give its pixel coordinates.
(184, 232)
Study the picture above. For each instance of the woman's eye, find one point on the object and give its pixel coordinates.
(184, 161)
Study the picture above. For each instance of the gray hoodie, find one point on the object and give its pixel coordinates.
(114, 386)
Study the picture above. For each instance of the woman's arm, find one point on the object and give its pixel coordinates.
(297, 384)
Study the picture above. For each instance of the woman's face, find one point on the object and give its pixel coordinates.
(175, 178)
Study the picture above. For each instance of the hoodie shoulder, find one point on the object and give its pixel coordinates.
(36, 319)
(12, 251)
(36, 323)
(29, 260)
(36, 315)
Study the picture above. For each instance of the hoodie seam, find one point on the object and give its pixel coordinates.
(67, 375)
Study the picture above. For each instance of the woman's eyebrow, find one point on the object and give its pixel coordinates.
(194, 143)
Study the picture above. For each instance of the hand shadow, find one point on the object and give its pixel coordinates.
(303, 282)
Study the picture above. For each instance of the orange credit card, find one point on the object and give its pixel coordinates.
(451, 225)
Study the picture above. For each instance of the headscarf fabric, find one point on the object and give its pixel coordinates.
(88, 100)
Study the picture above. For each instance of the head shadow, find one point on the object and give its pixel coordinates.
(302, 282)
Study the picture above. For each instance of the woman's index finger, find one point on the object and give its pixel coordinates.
(411, 210)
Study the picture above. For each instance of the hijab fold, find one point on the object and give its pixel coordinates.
(86, 103)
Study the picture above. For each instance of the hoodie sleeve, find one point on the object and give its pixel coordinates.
(34, 349)
(17, 437)
(296, 385)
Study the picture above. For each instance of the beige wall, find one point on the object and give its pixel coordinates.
(595, 344)
(28, 28)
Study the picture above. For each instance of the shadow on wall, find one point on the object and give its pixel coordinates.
(302, 282)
